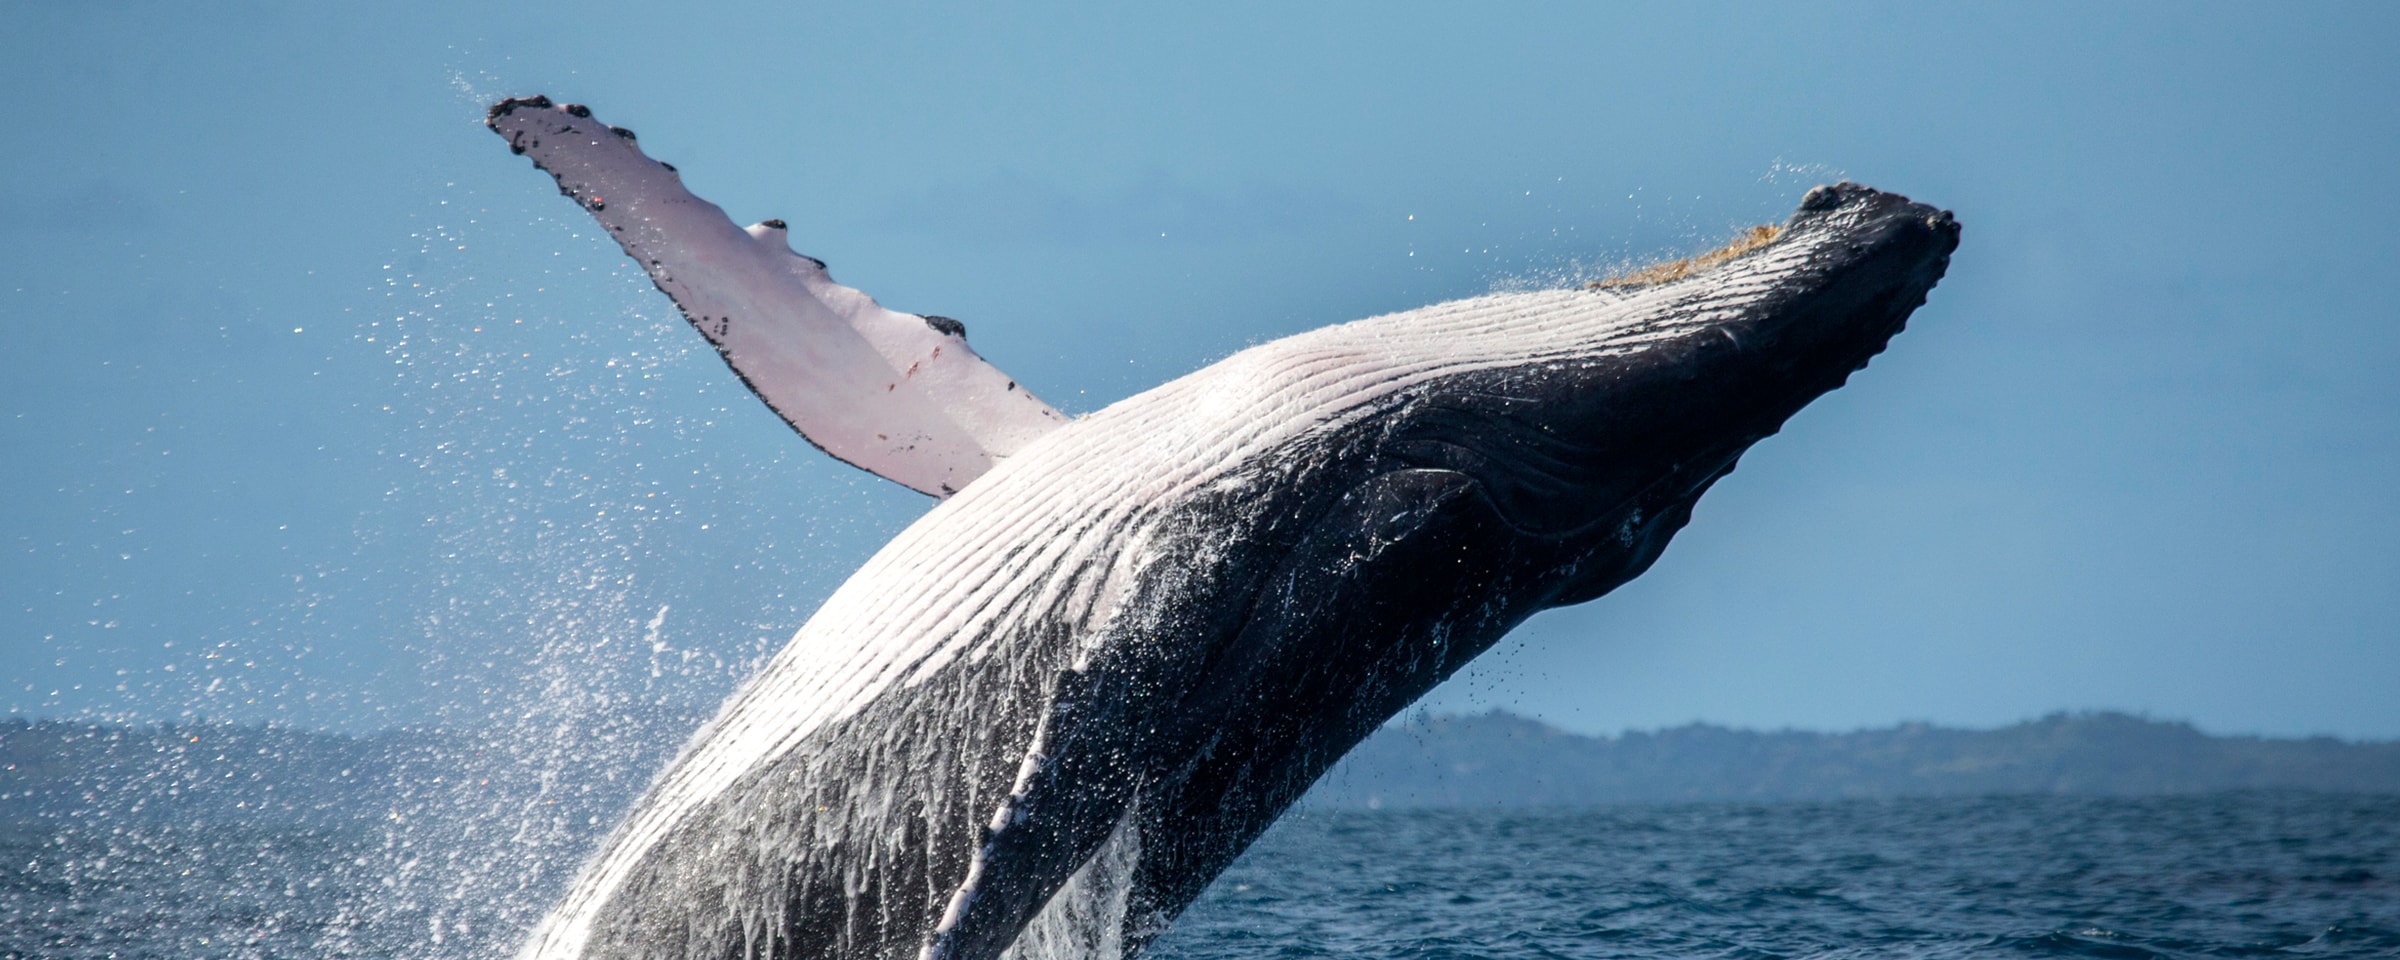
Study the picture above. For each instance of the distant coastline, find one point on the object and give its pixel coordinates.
(1499, 759)
(55, 768)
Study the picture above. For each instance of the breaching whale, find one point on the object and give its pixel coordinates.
(1045, 716)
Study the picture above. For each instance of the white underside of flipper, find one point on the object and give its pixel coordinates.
(897, 394)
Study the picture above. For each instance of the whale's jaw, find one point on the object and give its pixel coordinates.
(1046, 715)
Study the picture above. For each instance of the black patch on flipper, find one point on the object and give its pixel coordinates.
(949, 327)
(510, 105)
(774, 224)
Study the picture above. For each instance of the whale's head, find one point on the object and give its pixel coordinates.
(1624, 414)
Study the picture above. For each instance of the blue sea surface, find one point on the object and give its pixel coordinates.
(2229, 875)
(2237, 875)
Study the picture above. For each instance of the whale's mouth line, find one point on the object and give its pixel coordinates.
(1677, 269)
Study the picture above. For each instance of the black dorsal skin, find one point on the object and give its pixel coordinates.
(1102, 731)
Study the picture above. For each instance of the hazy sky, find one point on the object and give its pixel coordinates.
(318, 406)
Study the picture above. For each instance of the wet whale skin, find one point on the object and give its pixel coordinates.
(1043, 718)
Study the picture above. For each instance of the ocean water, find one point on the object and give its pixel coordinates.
(2237, 875)
(2234, 875)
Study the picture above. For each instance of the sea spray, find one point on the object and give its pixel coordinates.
(581, 602)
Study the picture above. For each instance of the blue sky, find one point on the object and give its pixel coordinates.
(319, 407)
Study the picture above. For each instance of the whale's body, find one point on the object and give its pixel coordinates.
(1044, 717)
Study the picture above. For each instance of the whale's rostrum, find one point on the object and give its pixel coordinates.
(1045, 716)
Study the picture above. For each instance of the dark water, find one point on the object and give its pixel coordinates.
(2241, 875)
(2221, 876)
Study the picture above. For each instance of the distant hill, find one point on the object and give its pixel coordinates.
(52, 769)
(1502, 760)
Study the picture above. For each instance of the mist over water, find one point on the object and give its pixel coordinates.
(588, 534)
(606, 565)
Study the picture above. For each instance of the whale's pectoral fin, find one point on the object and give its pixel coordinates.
(897, 394)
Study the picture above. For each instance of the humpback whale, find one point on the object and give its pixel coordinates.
(1048, 713)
